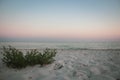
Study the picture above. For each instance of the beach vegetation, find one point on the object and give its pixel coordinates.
(15, 58)
(46, 57)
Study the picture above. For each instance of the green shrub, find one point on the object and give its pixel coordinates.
(31, 57)
(16, 59)
(47, 56)
(13, 57)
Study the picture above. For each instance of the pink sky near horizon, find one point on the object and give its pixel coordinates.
(60, 32)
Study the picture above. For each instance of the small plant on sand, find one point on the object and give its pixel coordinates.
(35, 57)
(31, 57)
(47, 56)
(14, 58)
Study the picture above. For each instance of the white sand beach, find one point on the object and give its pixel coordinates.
(71, 65)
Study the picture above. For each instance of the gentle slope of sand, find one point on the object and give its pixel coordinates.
(71, 65)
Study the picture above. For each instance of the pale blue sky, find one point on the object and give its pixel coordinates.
(60, 18)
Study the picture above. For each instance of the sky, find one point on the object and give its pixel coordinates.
(60, 19)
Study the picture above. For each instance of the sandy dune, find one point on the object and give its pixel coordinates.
(71, 65)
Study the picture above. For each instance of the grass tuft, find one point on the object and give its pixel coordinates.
(15, 58)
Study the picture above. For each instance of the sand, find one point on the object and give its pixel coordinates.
(71, 65)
